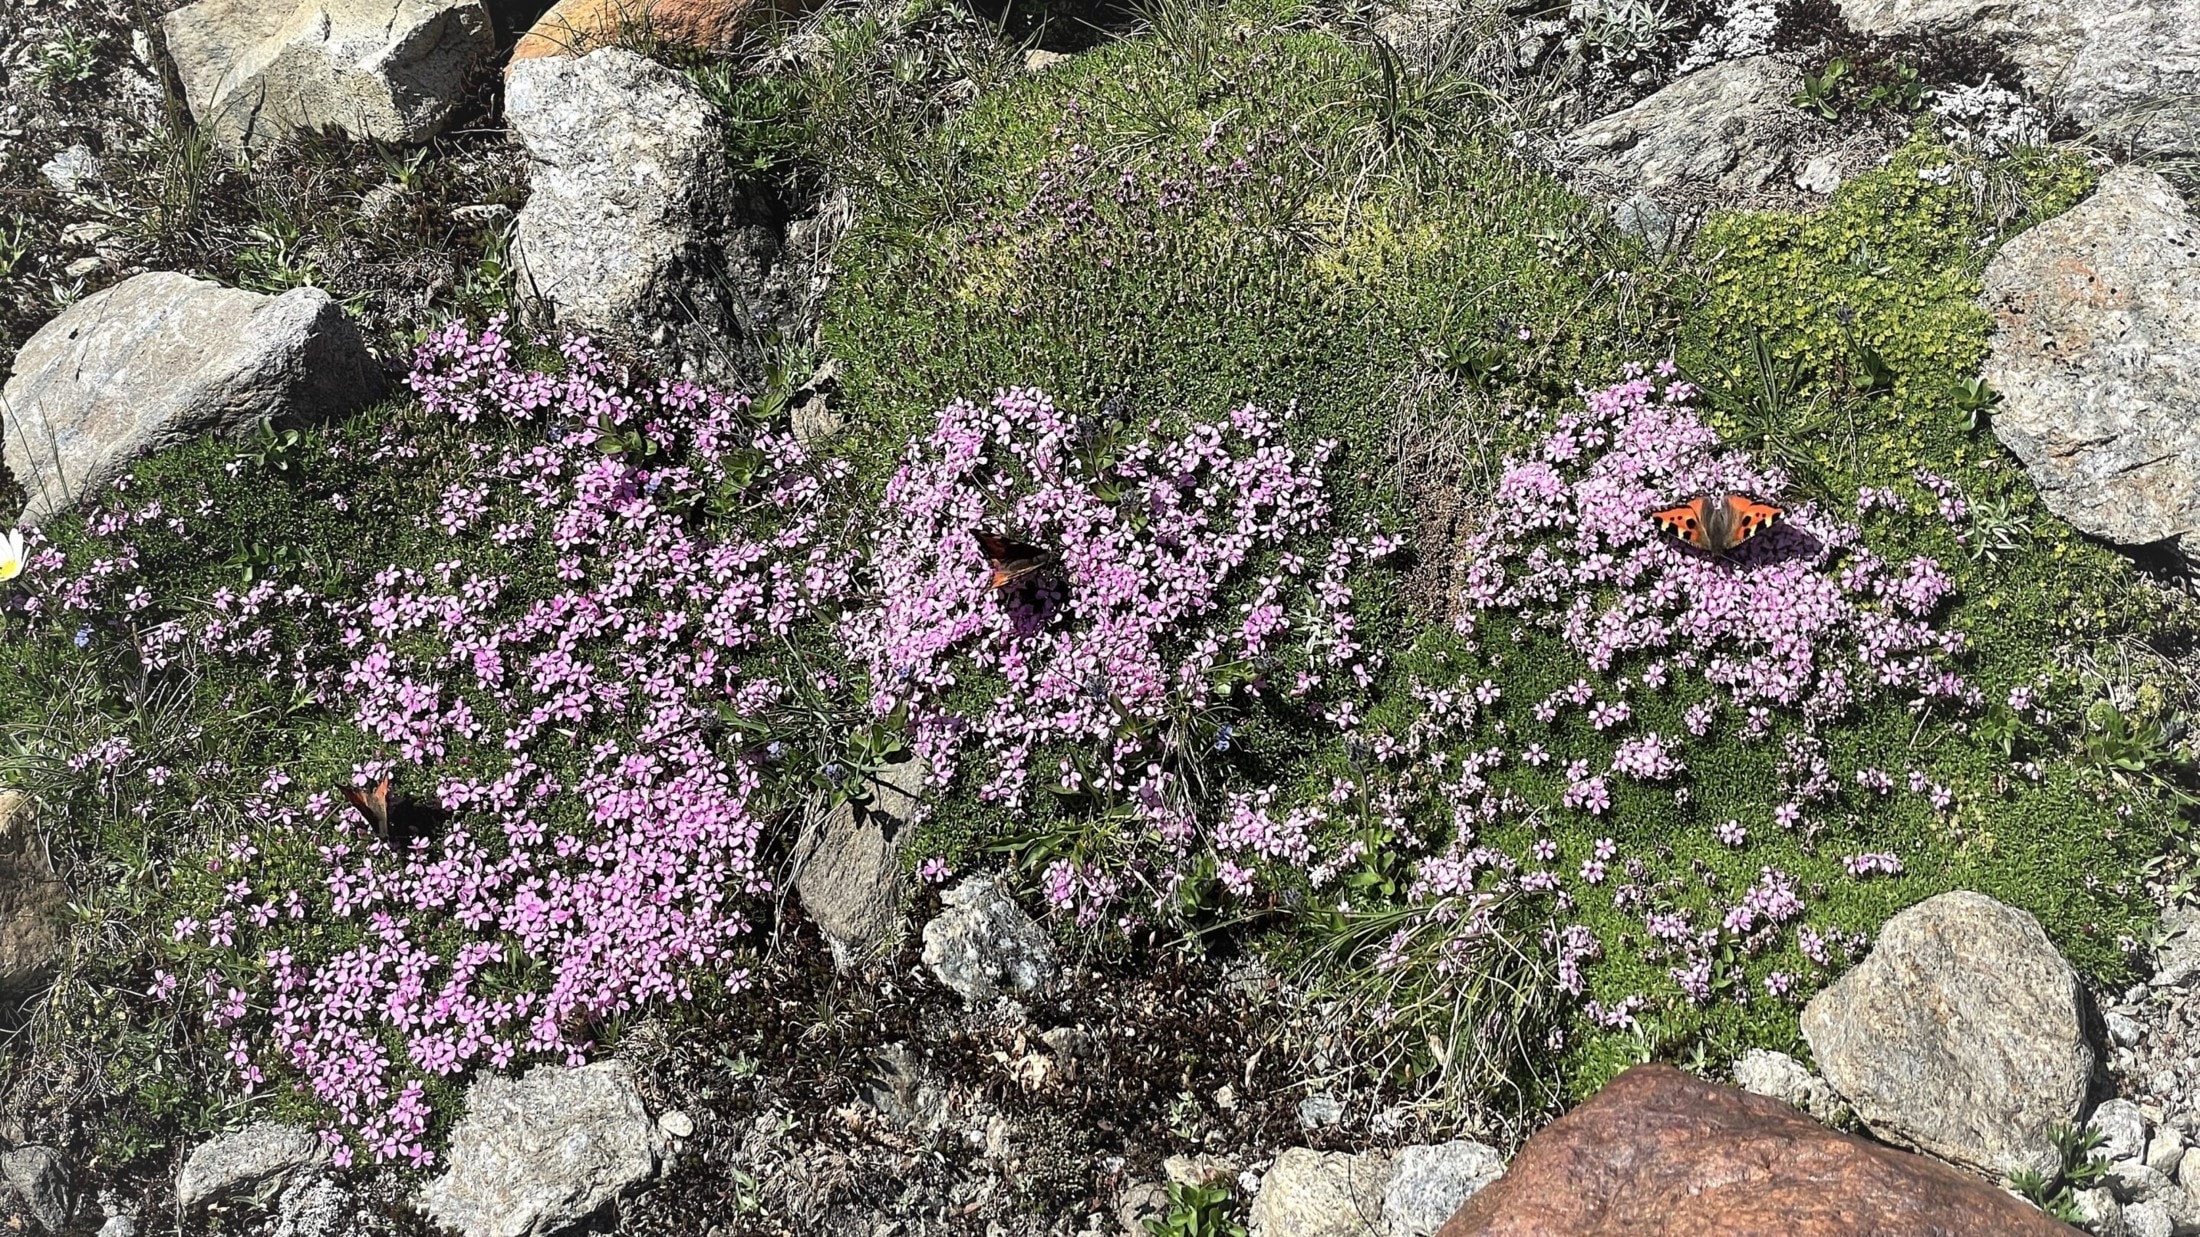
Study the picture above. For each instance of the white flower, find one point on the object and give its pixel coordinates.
(11, 554)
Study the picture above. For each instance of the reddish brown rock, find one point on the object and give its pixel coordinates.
(577, 27)
(1659, 1153)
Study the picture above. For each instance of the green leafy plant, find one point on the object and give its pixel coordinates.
(1821, 91)
(1860, 88)
(15, 242)
(2131, 744)
(1998, 526)
(67, 59)
(2077, 1168)
(1974, 399)
(275, 450)
(1197, 1211)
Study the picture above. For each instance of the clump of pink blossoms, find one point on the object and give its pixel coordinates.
(1191, 576)
(600, 851)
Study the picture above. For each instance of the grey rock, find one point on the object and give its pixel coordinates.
(262, 1157)
(161, 358)
(1428, 1183)
(32, 905)
(2166, 1151)
(848, 863)
(634, 229)
(2123, 1130)
(905, 1092)
(2179, 957)
(1199, 1169)
(1642, 217)
(2136, 1185)
(380, 70)
(315, 1206)
(1779, 1076)
(1959, 1035)
(1714, 135)
(1316, 1111)
(2093, 59)
(2150, 1219)
(1309, 1193)
(118, 1226)
(2188, 1175)
(1821, 175)
(537, 1154)
(982, 945)
(71, 169)
(39, 1179)
(2096, 353)
(2099, 1211)
(1141, 1202)
(2122, 1027)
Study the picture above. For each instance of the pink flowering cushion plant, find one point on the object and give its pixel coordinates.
(1196, 582)
(1635, 755)
(623, 563)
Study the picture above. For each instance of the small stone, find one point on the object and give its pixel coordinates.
(2188, 1175)
(482, 212)
(71, 169)
(847, 864)
(2149, 1219)
(83, 267)
(533, 1155)
(382, 70)
(262, 1155)
(1779, 1076)
(39, 1179)
(1642, 217)
(2122, 1027)
(676, 1123)
(2098, 373)
(983, 945)
(164, 357)
(2166, 1151)
(2123, 1130)
(1320, 1193)
(1960, 1034)
(1316, 1111)
(1427, 1184)
(1141, 1203)
(1821, 175)
(1198, 1169)
(2099, 1211)
(1226, 1098)
(380, 200)
(1039, 60)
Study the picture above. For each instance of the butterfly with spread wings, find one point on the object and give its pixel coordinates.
(1716, 523)
(1009, 561)
(396, 819)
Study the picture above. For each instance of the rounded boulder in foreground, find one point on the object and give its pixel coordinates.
(1959, 1035)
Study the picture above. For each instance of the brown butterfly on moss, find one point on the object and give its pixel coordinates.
(1008, 560)
(396, 819)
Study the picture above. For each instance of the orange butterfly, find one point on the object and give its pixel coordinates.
(1716, 524)
(396, 821)
(1008, 559)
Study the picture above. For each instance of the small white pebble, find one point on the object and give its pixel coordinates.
(676, 1123)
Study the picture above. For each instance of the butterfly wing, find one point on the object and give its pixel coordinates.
(373, 803)
(1743, 517)
(1690, 522)
(1007, 559)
